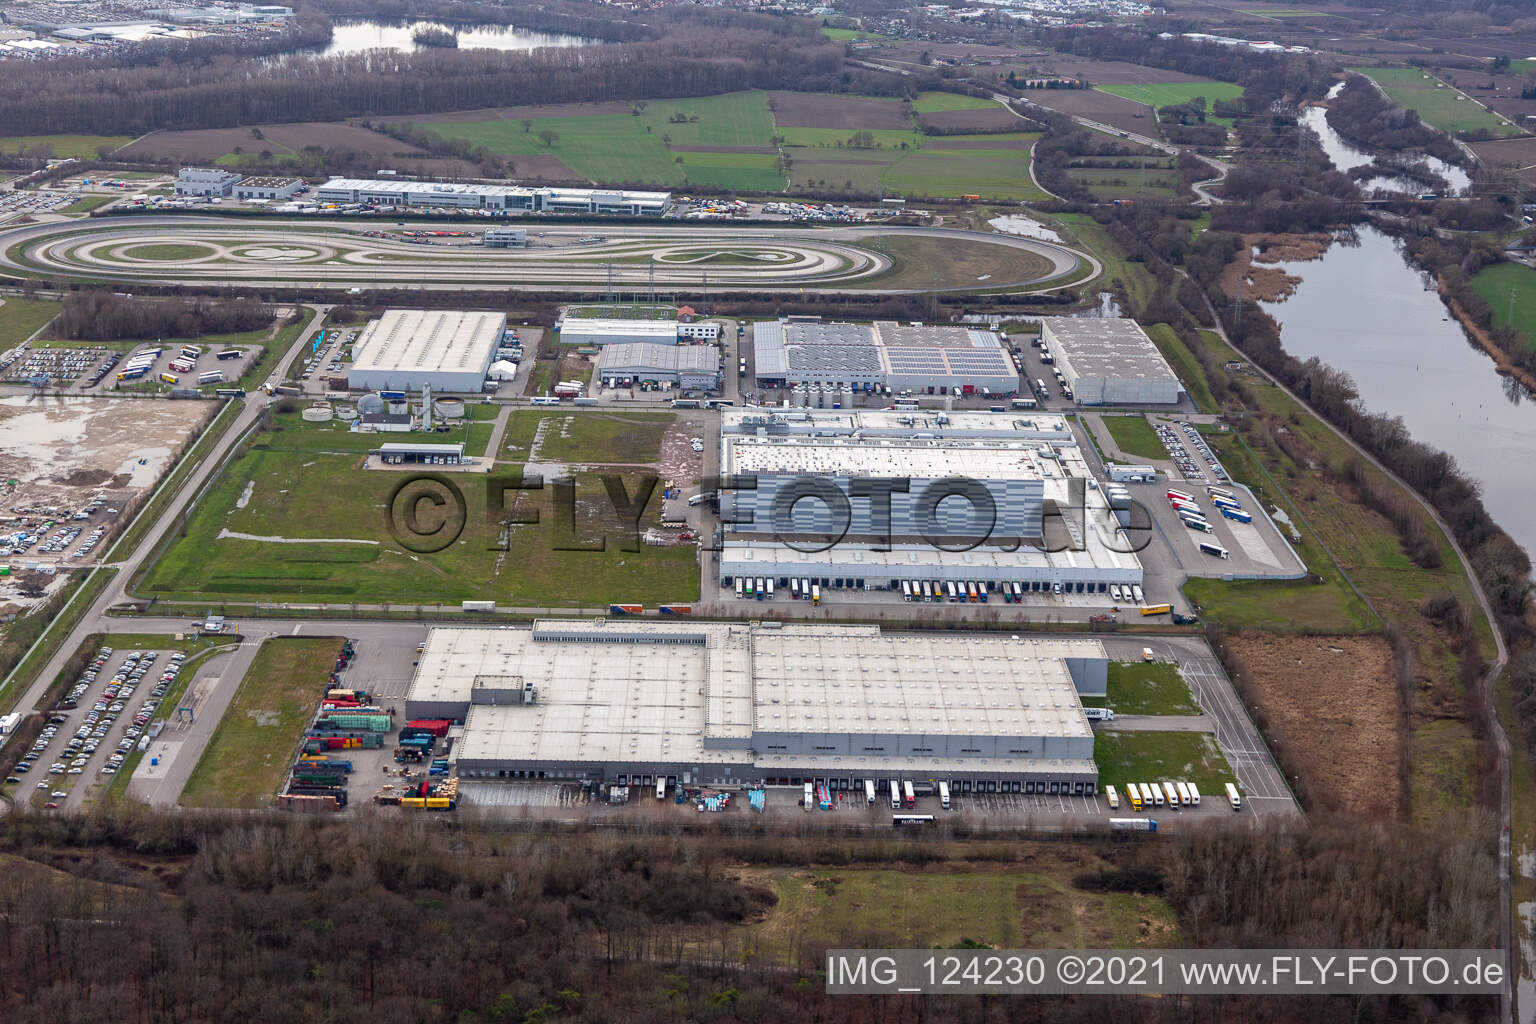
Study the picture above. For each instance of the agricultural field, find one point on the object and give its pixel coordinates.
(250, 751)
(1154, 756)
(296, 518)
(1435, 102)
(1127, 183)
(1166, 94)
(1003, 906)
(1097, 105)
(81, 147)
(228, 146)
(1510, 285)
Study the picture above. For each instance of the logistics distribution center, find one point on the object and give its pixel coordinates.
(869, 357)
(881, 500)
(511, 198)
(737, 703)
(408, 349)
(599, 331)
(1109, 361)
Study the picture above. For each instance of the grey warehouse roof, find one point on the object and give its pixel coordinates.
(1106, 347)
(623, 356)
(693, 691)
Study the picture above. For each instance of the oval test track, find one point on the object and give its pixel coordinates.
(338, 253)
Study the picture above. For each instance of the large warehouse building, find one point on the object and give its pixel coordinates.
(868, 357)
(1109, 361)
(512, 198)
(408, 349)
(737, 703)
(690, 367)
(589, 331)
(1021, 505)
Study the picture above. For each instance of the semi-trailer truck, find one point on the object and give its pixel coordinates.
(1133, 824)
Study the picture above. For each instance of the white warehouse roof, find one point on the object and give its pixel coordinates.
(602, 330)
(404, 341)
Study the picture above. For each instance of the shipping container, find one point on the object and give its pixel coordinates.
(436, 726)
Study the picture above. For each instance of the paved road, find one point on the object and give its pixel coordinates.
(1159, 723)
(116, 593)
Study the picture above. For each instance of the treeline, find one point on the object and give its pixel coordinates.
(1360, 112)
(145, 916)
(591, 21)
(710, 53)
(103, 316)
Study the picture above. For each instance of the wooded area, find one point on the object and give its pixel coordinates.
(699, 54)
(149, 916)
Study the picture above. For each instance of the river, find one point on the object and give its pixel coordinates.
(1364, 309)
(1346, 156)
(359, 35)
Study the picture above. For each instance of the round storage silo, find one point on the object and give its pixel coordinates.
(317, 414)
(449, 408)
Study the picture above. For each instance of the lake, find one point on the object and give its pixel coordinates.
(1363, 309)
(357, 36)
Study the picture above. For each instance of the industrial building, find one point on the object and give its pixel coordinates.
(504, 238)
(1018, 502)
(917, 358)
(268, 188)
(744, 704)
(512, 198)
(205, 181)
(690, 367)
(593, 332)
(1109, 361)
(409, 349)
(410, 453)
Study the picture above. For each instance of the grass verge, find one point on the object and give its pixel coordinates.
(1146, 688)
(251, 750)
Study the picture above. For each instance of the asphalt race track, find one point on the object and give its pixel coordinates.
(348, 253)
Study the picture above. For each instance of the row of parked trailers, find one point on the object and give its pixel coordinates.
(1193, 517)
(1147, 795)
(903, 793)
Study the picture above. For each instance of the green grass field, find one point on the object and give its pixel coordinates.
(620, 438)
(1146, 688)
(1189, 371)
(644, 149)
(22, 318)
(1135, 436)
(1437, 104)
(938, 102)
(1004, 907)
(85, 204)
(1166, 94)
(843, 35)
(80, 146)
(1158, 756)
(1496, 283)
(169, 252)
(305, 485)
(1126, 183)
(627, 148)
(253, 747)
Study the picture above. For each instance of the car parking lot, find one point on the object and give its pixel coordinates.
(112, 708)
(1188, 451)
(38, 201)
(59, 365)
